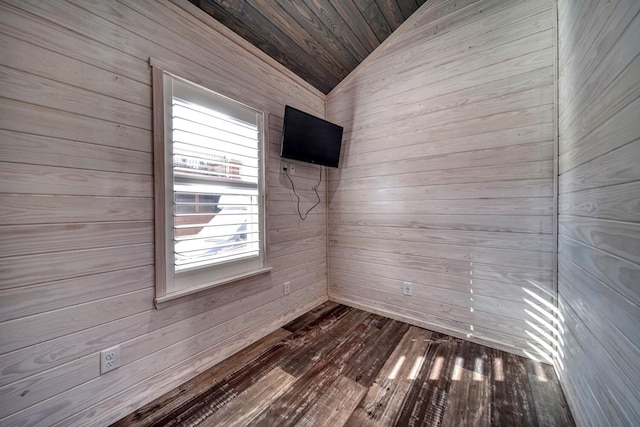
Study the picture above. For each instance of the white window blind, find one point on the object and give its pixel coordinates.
(214, 146)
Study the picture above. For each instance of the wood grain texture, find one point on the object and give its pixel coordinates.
(275, 46)
(447, 127)
(616, 202)
(66, 181)
(205, 345)
(419, 378)
(46, 33)
(29, 300)
(351, 14)
(517, 241)
(471, 190)
(121, 404)
(143, 331)
(598, 319)
(471, 389)
(202, 382)
(375, 18)
(384, 397)
(445, 18)
(318, 36)
(339, 19)
(38, 150)
(26, 118)
(391, 12)
(251, 402)
(613, 168)
(76, 208)
(602, 234)
(622, 409)
(335, 406)
(20, 54)
(517, 322)
(444, 161)
(441, 36)
(38, 239)
(453, 294)
(461, 330)
(447, 273)
(599, 268)
(318, 40)
(61, 96)
(534, 259)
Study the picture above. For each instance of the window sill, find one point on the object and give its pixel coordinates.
(164, 300)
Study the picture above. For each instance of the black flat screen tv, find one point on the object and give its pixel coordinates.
(310, 139)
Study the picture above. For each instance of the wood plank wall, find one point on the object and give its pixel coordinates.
(599, 210)
(76, 218)
(446, 179)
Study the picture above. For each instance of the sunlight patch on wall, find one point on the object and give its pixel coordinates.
(543, 324)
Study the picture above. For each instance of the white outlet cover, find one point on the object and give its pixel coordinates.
(407, 288)
(287, 287)
(109, 359)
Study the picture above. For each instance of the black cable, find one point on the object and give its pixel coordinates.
(315, 189)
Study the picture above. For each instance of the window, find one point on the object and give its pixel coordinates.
(209, 188)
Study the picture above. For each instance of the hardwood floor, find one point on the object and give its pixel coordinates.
(337, 365)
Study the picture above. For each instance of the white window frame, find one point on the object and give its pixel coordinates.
(169, 283)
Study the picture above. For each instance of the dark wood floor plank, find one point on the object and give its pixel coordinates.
(320, 342)
(320, 373)
(311, 316)
(545, 389)
(469, 393)
(384, 398)
(511, 401)
(245, 407)
(229, 387)
(334, 407)
(426, 400)
(376, 321)
(368, 363)
(341, 366)
(254, 370)
(177, 397)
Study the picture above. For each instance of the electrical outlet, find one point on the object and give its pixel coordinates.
(287, 287)
(290, 168)
(407, 288)
(109, 359)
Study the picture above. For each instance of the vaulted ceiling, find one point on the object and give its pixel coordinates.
(321, 41)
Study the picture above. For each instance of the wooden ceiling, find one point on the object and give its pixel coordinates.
(320, 40)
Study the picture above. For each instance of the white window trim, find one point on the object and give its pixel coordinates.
(165, 286)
